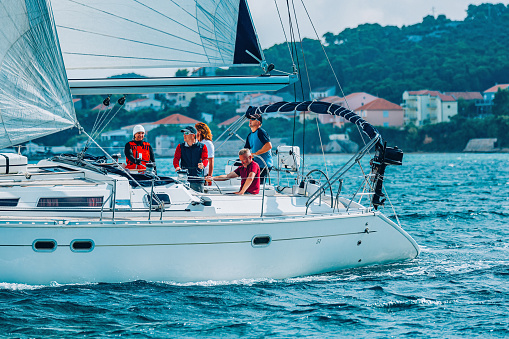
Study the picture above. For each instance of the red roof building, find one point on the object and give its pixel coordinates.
(352, 101)
(176, 119)
(465, 95)
(381, 112)
(229, 121)
(495, 88)
(100, 107)
(489, 94)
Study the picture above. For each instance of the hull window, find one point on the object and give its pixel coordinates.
(82, 245)
(71, 202)
(44, 245)
(260, 240)
(9, 202)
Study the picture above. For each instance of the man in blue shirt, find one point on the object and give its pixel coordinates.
(258, 141)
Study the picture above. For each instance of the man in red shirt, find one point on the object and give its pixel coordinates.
(249, 172)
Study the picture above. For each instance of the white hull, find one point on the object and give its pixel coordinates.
(190, 251)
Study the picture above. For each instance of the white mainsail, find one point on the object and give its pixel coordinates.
(34, 94)
(133, 34)
(106, 37)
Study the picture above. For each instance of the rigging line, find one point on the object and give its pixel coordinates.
(107, 123)
(167, 17)
(330, 65)
(101, 121)
(134, 22)
(212, 17)
(292, 35)
(284, 32)
(309, 84)
(97, 118)
(130, 40)
(204, 27)
(392, 206)
(130, 57)
(100, 117)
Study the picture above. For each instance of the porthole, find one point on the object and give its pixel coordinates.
(44, 245)
(261, 240)
(82, 245)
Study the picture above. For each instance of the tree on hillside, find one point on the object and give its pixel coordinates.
(182, 73)
(501, 103)
(437, 54)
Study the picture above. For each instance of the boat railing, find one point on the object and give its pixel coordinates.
(338, 175)
(265, 167)
(112, 199)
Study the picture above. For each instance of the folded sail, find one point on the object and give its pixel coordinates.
(319, 107)
(34, 94)
(131, 34)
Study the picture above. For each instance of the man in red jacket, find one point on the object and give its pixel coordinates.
(191, 155)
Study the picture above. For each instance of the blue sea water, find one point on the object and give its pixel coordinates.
(456, 206)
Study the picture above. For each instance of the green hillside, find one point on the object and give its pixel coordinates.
(436, 54)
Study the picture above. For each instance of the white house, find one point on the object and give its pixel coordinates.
(428, 107)
(118, 135)
(181, 99)
(221, 98)
(257, 99)
(165, 145)
(207, 117)
(138, 104)
(322, 92)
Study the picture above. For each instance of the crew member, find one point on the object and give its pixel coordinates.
(204, 135)
(138, 152)
(258, 141)
(249, 172)
(191, 155)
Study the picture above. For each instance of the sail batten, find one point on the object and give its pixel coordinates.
(35, 100)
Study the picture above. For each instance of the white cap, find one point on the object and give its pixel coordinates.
(138, 128)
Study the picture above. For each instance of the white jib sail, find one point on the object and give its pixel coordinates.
(133, 34)
(34, 94)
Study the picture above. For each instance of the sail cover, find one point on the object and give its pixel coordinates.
(319, 107)
(34, 94)
(133, 34)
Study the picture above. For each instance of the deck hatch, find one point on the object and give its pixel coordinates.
(44, 245)
(82, 245)
(163, 197)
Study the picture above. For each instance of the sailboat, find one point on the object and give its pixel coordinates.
(78, 218)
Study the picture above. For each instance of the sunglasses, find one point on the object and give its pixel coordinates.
(187, 133)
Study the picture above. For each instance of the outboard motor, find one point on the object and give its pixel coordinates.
(384, 156)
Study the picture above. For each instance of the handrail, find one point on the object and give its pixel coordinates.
(340, 172)
(104, 203)
(114, 199)
(268, 176)
(327, 178)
